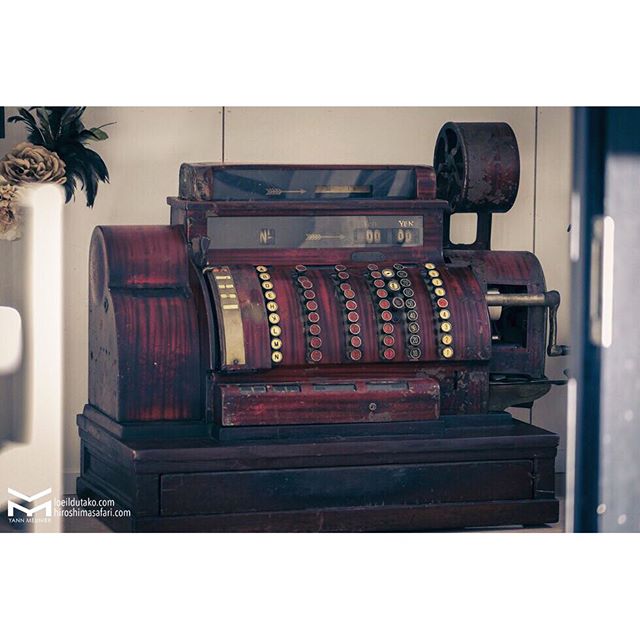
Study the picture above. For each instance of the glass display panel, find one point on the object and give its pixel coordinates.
(314, 232)
(310, 184)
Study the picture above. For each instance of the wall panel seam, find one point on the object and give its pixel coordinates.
(224, 113)
(535, 177)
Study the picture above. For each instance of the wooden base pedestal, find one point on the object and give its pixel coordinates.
(452, 473)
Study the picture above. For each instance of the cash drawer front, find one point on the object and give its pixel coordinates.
(334, 487)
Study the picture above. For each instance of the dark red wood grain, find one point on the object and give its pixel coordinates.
(331, 316)
(149, 269)
(469, 314)
(368, 313)
(384, 485)
(425, 183)
(189, 444)
(138, 256)
(419, 400)
(447, 477)
(144, 338)
(426, 316)
(294, 336)
(513, 268)
(206, 332)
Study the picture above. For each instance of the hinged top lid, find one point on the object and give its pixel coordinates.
(208, 181)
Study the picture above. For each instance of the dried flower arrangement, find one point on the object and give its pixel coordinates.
(9, 213)
(56, 152)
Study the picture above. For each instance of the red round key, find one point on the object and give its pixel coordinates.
(388, 354)
(384, 304)
(388, 341)
(349, 294)
(355, 354)
(356, 341)
(314, 317)
(443, 303)
(343, 275)
(315, 329)
(315, 355)
(345, 286)
(306, 284)
(340, 267)
(309, 294)
(354, 329)
(353, 316)
(372, 267)
(300, 268)
(312, 305)
(351, 305)
(387, 327)
(376, 274)
(315, 342)
(382, 293)
(378, 283)
(387, 316)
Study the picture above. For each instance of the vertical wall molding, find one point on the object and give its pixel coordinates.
(535, 178)
(223, 134)
(552, 206)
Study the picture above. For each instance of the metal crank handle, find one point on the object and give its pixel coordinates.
(550, 299)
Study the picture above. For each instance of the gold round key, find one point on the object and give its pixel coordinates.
(267, 285)
(439, 291)
(264, 276)
(447, 352)
(429, 265)
(275, 330)
(445, 314)
(436, 282)
(276, 356)
(276, 343)
(447, 338)
(433, 273)
(446, 327)
(272, 306)
(388, 273)
(261, 269)
(274, 318)
(394, 285)
(270, 295)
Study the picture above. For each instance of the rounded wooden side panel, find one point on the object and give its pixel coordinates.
(144, 333)
(513, 272)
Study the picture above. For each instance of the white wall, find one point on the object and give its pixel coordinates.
(147, 145)
(551, 244)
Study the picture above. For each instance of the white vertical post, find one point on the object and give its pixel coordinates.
(35, 464)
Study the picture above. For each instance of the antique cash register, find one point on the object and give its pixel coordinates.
(303, 348)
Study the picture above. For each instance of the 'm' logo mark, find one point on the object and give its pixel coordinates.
(29, 512)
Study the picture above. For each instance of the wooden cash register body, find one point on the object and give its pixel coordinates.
(203, 417)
